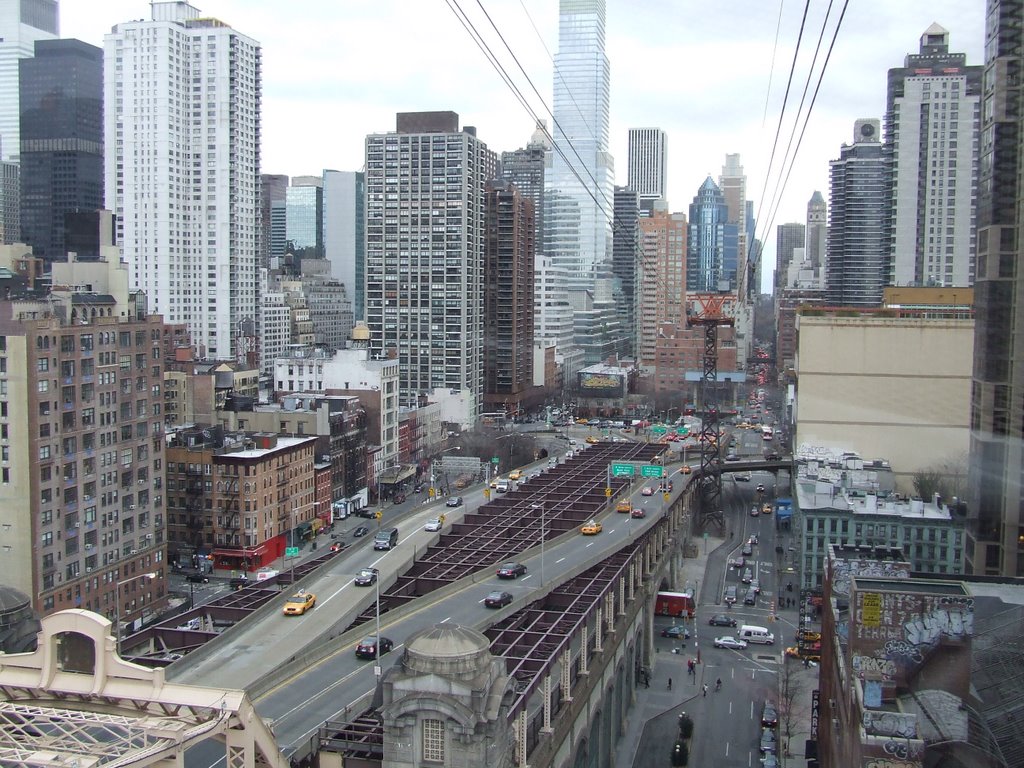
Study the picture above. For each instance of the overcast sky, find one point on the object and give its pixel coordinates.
(335, 70)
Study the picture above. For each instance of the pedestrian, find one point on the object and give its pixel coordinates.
(670, 683)
(705, 690)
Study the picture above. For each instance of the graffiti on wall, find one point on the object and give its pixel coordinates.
(901, 725)
(872, 667)
(843, 570)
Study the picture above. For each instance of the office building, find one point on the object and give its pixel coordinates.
(660, 282)
(933, 112)
(553, 316)
(524, 168)
(579, 186)
(816, 242)
(646, 166)
(625, 258)
(273, 189)
(733, 184)
(995, 494)
(10, 202)
(712, 245)
(182, 130)
(304, 222)
(345, 234)
(509, 287)
(424, 287)
(22, 23)
(788, 238)
(81, 474)
(61, 91)
(858, 252)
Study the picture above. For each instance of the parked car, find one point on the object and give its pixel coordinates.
(721, 620)
(676, 632)
(299, 603)
(727, 641)
(197, 577)
(367, 647)
(769, 715)
(399, 498)
(769, 742)
(511, 571)
(362, 530)
(453, 501)
(366, 577)
(498, 599)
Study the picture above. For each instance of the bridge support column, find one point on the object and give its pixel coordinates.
(547, 705)
(598, 626)
(622, 590)
(673, 569)
(239, 748)
(609, 610)
(521, 738)
(566, 664)
(584, 648)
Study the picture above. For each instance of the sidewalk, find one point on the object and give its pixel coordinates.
(652, 722)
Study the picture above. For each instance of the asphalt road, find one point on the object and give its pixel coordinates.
(299, 706)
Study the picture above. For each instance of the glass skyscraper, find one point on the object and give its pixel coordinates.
(579, 188)
(61, 91)
(713, 245)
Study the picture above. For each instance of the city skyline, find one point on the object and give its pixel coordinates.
(316, 116)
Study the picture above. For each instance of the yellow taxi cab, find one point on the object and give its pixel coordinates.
(686, 469)
(591, 528)
(494, 482)
(515, 474)
(582, 421)
(766, 509)
(299, 603)
(591, 439)
(624, 506)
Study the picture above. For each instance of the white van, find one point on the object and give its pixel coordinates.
(753, 634)
(503, 486)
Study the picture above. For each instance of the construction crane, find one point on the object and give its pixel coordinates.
(707, 311)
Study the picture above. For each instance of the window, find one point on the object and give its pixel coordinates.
(433, 740)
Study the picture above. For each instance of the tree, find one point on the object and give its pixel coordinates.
(791, 687)
(947, 477)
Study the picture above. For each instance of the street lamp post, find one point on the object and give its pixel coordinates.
(117, 612)
(542, 527)
(376, 646)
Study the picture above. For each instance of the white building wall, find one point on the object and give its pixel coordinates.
(886, 387)
(181, 127)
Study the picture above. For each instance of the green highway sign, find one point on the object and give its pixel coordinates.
(495, 460)
(623, 470)
(659, 430)
(683, 431)
(291, 551)
(650, 470)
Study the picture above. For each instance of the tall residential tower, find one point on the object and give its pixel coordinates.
(182, 131)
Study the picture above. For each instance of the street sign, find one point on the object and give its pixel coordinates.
(624, 470)
(668, 497)
(683, 431)
(291, 551)
(378, 514)
(650, 470)
(659, 430)
(705, 535)
(495, 460)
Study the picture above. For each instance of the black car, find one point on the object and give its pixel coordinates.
(419, 488)
(769, 715)
(498, 599)
(511, 571)
(367, 648)
(366, 577)
(197, 577)
(362, 530)
(721, 620)
(676, 632)
(760, 488)
(238, 582)
(454, 501)
(772, 456)
(364, 512)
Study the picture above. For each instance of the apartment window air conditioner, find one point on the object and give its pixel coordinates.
(133, 552)
(78, 525)
(142, 482)
(89, 547)
(88, 570)
(87, 497)
(131, 506)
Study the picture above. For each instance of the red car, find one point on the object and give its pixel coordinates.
(637, 512)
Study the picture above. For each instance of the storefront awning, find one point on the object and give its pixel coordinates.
(393, 475)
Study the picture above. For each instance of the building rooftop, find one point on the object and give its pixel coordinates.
(283, 443)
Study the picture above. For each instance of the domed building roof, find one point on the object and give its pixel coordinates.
(11, 599)
(450, 650)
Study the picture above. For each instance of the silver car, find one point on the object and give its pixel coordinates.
(730, 642)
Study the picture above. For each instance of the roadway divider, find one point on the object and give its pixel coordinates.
(324, 647)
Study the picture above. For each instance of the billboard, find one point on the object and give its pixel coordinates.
(601, 384)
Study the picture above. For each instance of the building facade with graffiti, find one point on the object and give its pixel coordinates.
(896, 677)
